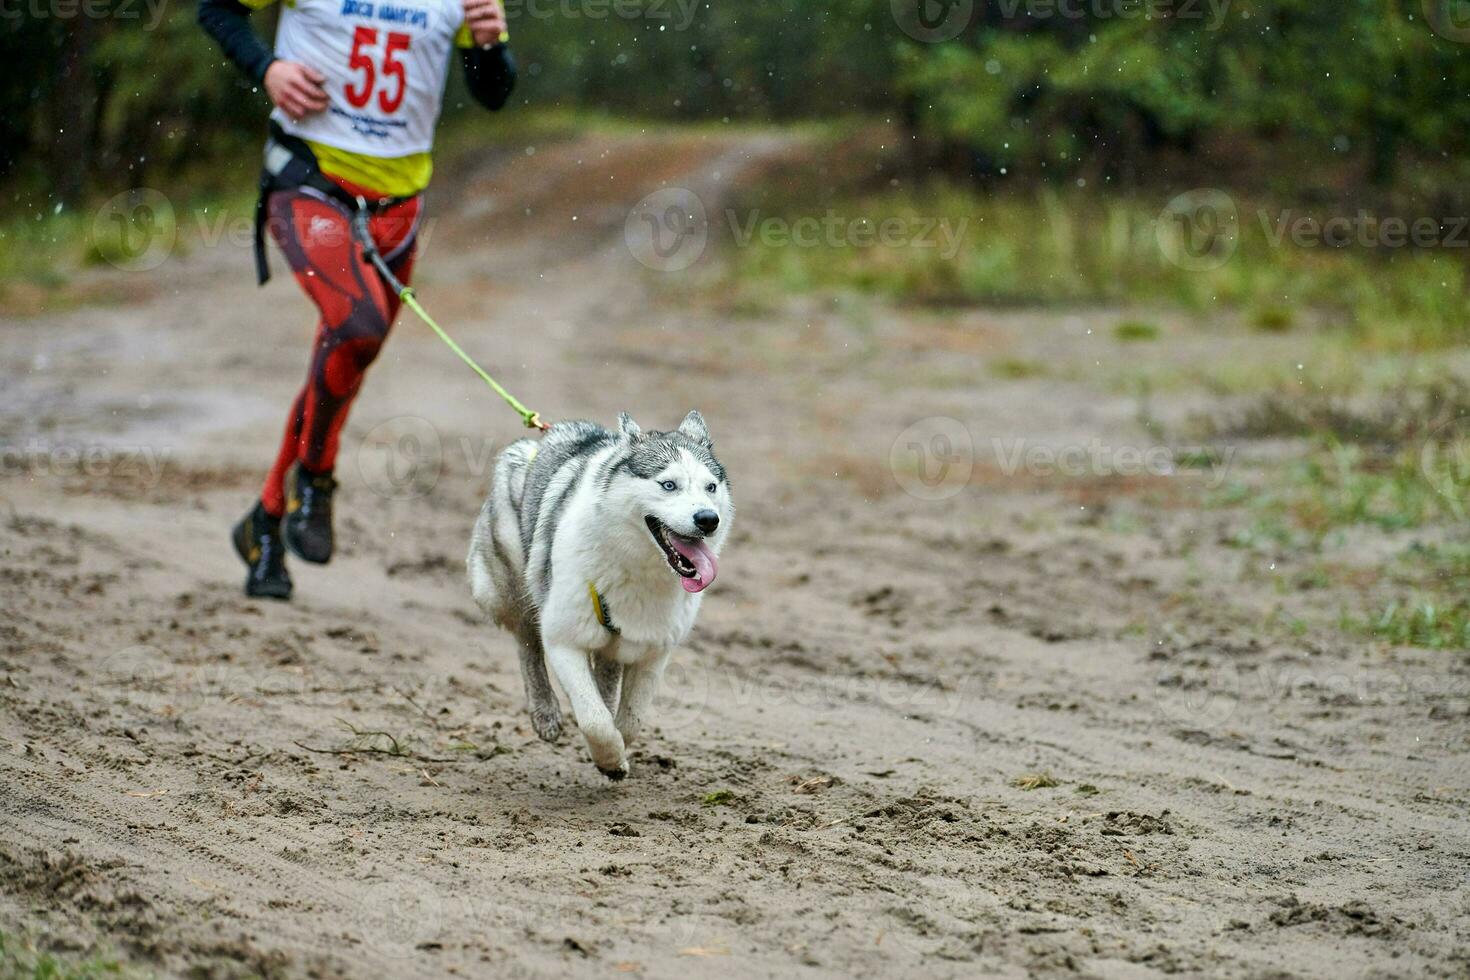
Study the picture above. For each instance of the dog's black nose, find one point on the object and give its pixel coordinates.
(706, 520)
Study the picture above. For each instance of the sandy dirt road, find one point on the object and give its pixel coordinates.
(851, 773)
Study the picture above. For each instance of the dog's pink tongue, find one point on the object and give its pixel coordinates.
(703, 560)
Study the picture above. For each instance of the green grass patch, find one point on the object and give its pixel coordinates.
(1131, 331)
(1447, 564)
(956, 246)
(1418, 623)
(1017, 368)
(1336, 485)
(1273, 319)
(21, 960)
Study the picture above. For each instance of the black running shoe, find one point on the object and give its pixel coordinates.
(258, 540)
(309, 515)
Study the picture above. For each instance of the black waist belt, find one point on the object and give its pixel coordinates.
(290, 164)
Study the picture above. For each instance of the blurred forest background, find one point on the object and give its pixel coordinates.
(1063, 126)
(1293, 92)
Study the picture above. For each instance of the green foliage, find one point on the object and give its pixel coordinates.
(689, 59)
(21, 960)
(1273, 319)
(1104, 94)
(1335, 486)
(1136, 330)
(1356, 89)
(1418, 623)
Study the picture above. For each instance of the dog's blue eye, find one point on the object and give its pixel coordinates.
(669, 485)
(711, 488)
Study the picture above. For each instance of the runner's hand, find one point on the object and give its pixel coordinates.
(295, 89)
(485, 20)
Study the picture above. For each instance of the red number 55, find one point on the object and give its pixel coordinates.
(391, 67)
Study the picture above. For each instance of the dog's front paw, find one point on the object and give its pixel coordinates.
(547, 722)
(606, 746)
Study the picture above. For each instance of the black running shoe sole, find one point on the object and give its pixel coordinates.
(269, 589)
(290, 525)
(295, 547)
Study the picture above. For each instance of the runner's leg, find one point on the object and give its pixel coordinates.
(356, 314)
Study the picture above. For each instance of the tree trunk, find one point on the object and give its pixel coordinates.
(72, 115)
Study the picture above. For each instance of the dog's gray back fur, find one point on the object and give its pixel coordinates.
(568, 444)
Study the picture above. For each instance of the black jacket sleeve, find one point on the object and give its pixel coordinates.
(489, 73)
(228, 22)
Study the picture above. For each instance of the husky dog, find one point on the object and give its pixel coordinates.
(593, 548)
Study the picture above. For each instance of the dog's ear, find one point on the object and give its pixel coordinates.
(693, 426)
(628, 426)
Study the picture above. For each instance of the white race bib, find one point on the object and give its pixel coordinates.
(385, 62)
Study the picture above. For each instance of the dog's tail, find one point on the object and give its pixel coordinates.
(497, 561)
